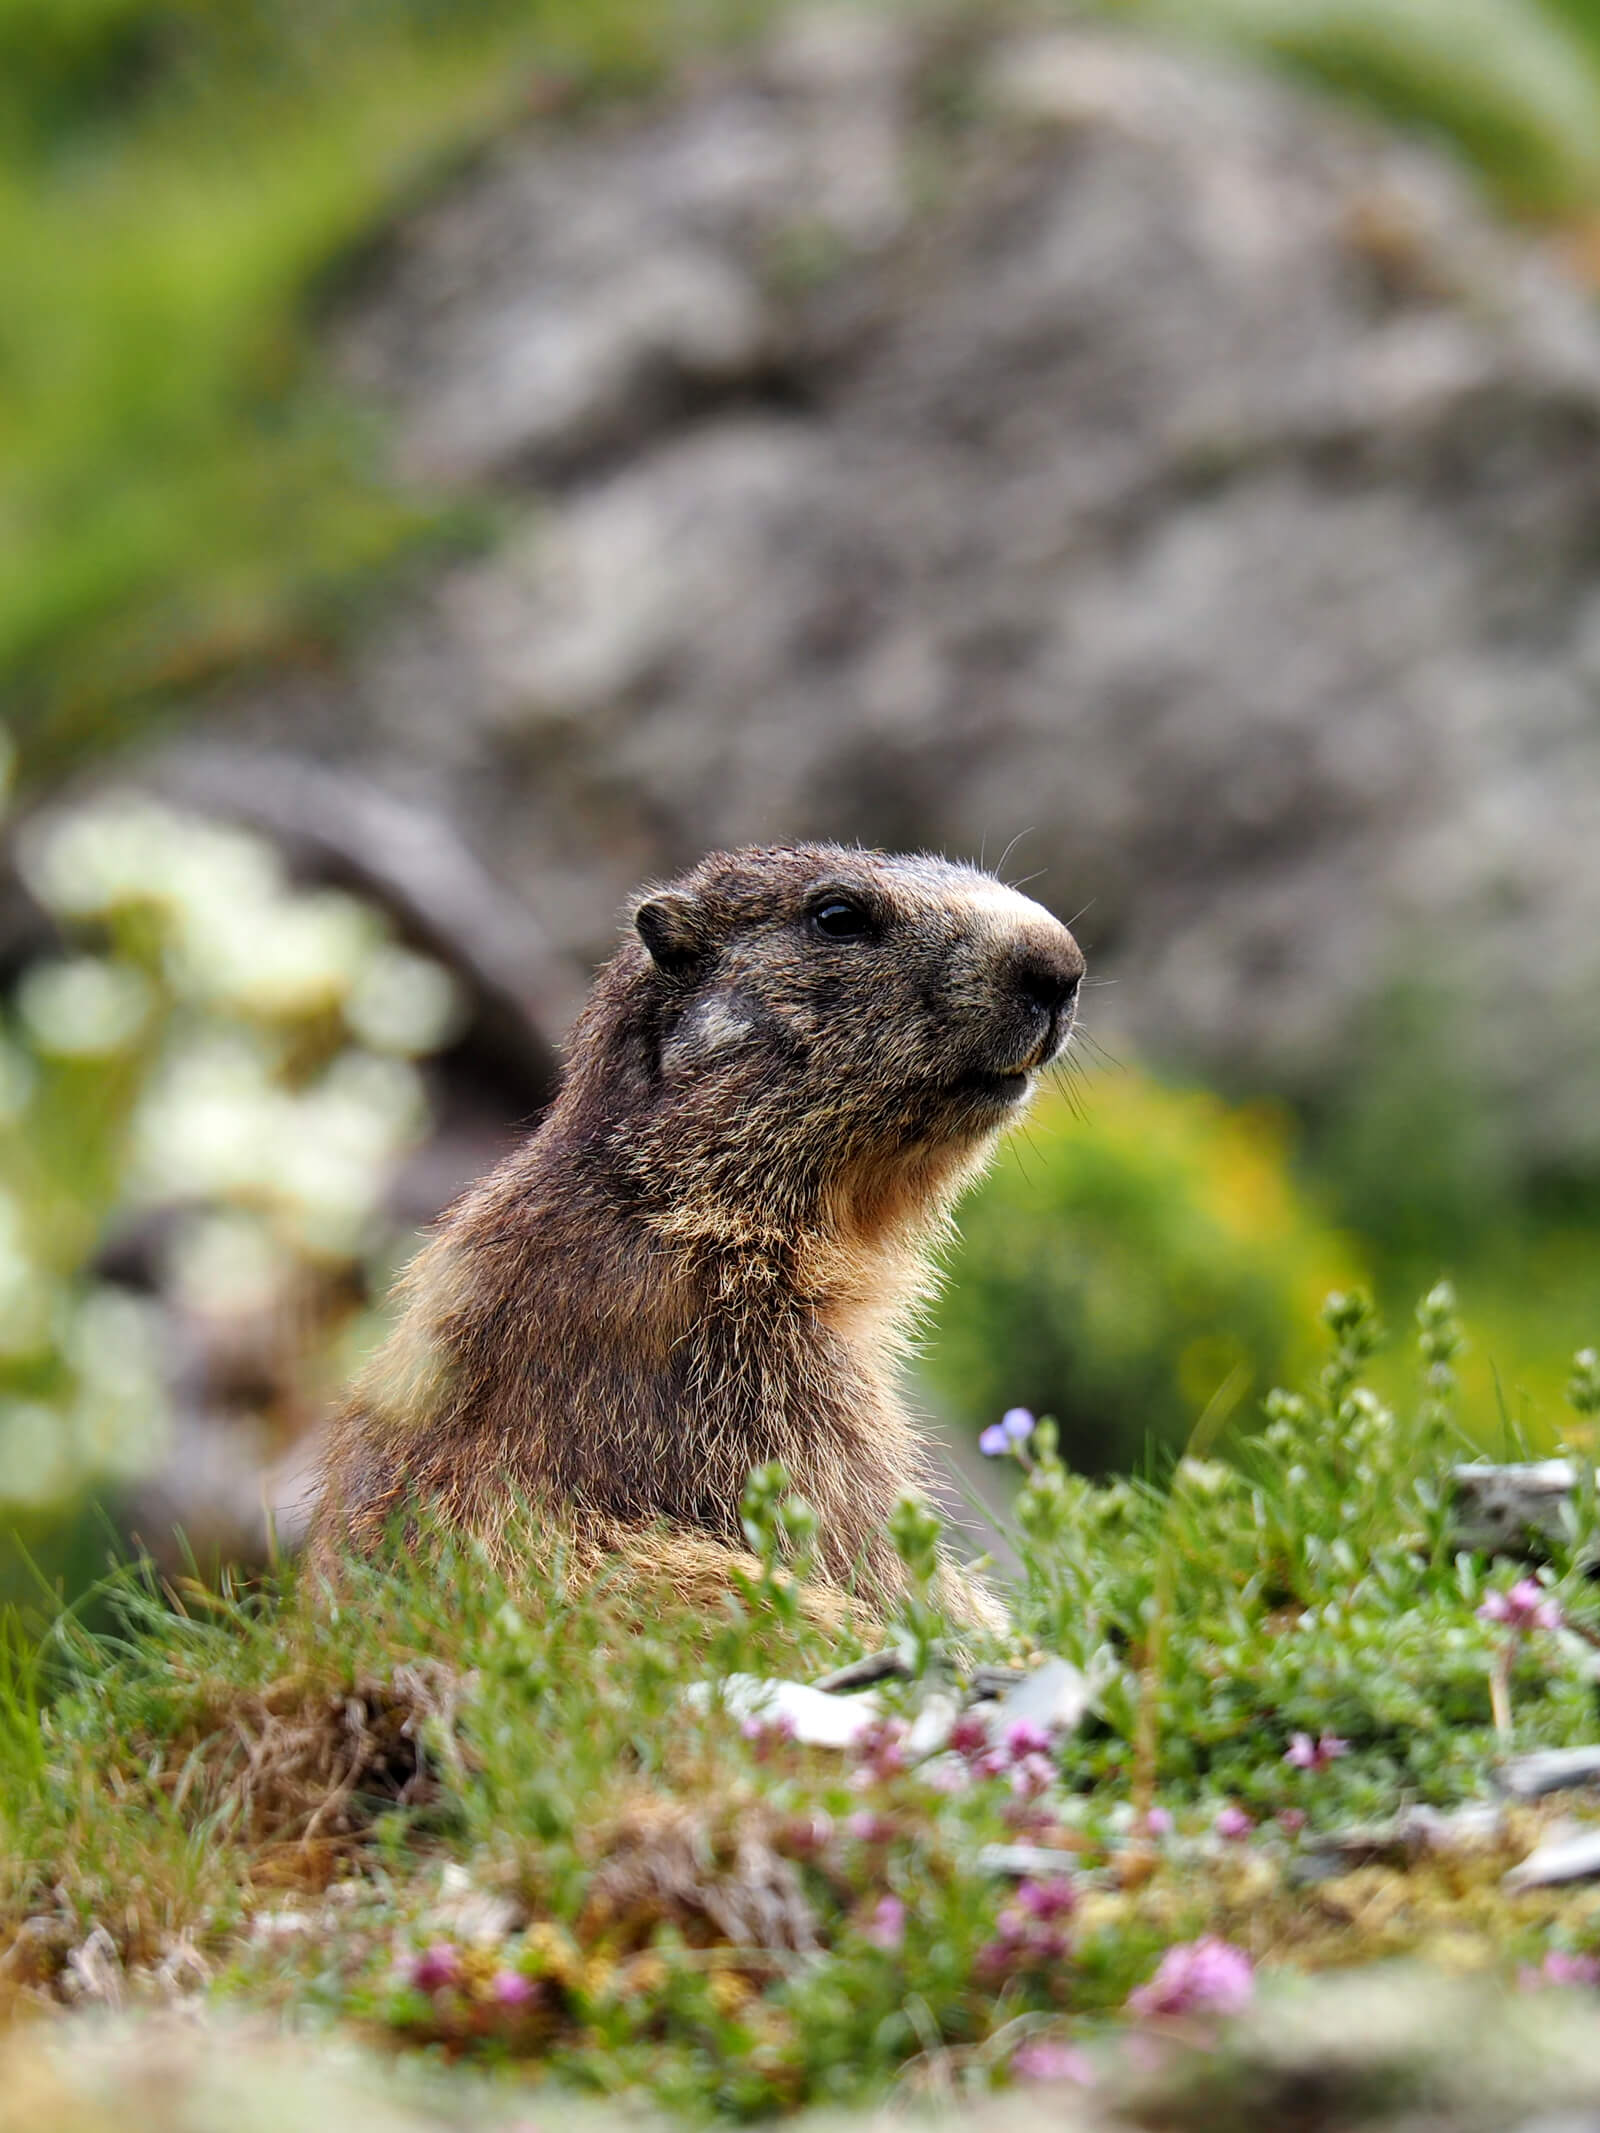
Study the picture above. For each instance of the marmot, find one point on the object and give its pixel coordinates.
(707, 1255)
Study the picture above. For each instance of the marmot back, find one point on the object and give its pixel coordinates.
(708, 1253)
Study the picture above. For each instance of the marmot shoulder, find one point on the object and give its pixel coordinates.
(707, 1255)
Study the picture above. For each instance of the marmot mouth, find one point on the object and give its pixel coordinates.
(997, 1087)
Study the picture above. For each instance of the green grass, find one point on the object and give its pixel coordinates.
(218, 1762)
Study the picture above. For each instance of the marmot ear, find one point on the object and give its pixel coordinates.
(670, 927)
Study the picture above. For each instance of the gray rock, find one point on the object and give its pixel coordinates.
(1054, 1696)
(1025, 1862)
(959, 437)
(811, 1716)
(1546, 1770)
(1573, 1856)
(1412, 1834)
(1511, 1510)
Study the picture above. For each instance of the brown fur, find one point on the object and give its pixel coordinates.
(710, 1252)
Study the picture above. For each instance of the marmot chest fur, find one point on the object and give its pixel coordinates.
(706, 1255)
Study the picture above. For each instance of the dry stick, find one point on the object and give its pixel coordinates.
(1500, 1689)
(1146, 1732)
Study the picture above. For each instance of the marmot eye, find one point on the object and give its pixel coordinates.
(840, 920)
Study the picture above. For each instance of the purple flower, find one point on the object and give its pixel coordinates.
(946, 1773)
(1233, 1823)
(1560, 1969)
(510, 1989)
(765, 1734)
(969, 1736)
(1158, 1822)
(436, 1968)
(1031, 1931)
(1032, 1775)
(1019, 1945)
(1526, 1606)
(880, 1747)
(1055, 1898)
(1206, 1976)
(1014, 1427)
(1048, 2059)
(1308, 1754)
(888, 1927)
(1023, 1738)
(870, 1828)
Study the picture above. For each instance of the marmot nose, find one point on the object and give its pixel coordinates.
(1048, 978)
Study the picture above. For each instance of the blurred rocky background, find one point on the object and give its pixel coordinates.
(459, 462)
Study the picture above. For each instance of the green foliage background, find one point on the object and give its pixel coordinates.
(1128, 1257)
(1145, 1249)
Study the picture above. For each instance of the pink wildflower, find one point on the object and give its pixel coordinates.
(1031, 1930)
(1559, 1968)
(1055, 1898)
(1048, 2059)
(765, 1734)
(1233, 1823)
(1032, 1775)
(946, 1773)
(1158, 1822)
(868, 1827)
(1205, 1976)
(512, 1990)
(880, 1748)
(1526, 1606)
(436, 1968)
(969, 1735)
(888, 1927)
(1022, 1737)
(1308, 1754)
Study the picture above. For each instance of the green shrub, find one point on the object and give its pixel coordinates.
(1117, 1267)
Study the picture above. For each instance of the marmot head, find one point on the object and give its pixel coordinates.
(787, 1019)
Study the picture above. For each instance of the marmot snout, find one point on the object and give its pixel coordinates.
(706, 1255)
